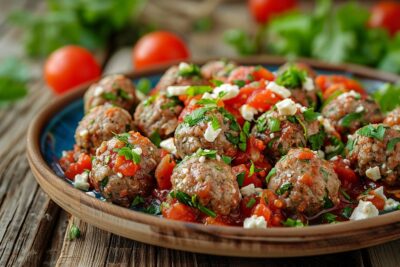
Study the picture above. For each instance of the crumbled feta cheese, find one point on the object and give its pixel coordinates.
(308, 84)
(84, 133)
(286, 107)
(271, 135)
(98, 91)
(177, 90)
(248, 112)
(280, 90)
(334, 158)
(218, 157)
(329, 148)
(120, 175)
(207, 95)
(321, 154)
(169, 145)
(373, 173)
(391, 204)
(351, 93)
(255, 222)
(327, 125)
(364, 210)
(137, 150)
(379, 192)
(202, 159)
(183, 66)
(359, 109)
(229, 91)
(81, 181)
(249, 190)
(210, 134)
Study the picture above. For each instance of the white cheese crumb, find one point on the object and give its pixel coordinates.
(280, 90)
(359, 109)
(364, 210)
(81, 181)
(308, 84)
(248, 112)
(202, 159)
(286, 107)
(84, 133)
(334, 158)
(321, 154)
(373, 173)
(120, 175)
(137, 150)
(183, 66)
(255, 222)
(177, 90)
(210, 134)
(98, 91)
(249, 190)
(207, 95)
(351, 93)
(169, 145)
(229, 91)
(391, 204)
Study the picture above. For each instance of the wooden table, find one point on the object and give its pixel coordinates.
(33, 228)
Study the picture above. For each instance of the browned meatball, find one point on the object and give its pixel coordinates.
(374, 152)
(350, 111)
(117, 90)
(123, 168)
(100, 124)
(158, 114)
(184, 74)
(393, 118)
(280, 133)
(305, 182)
(211, 180)
(218, 69)
(193, 132)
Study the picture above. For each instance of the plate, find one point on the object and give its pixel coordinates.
(52, 131)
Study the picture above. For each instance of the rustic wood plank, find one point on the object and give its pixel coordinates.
(386, 255)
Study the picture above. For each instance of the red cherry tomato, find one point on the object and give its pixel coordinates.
(69, 67)
(262, 10)
(157, 48)
(125, 166)
(386, 14)
(84, 163)
(179, 212)
(164, 171)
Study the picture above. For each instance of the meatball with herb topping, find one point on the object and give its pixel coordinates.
(207, 128)
(99, 125)
(393, 118)
(158, 115)
(350, 111)
(307, 183)
(374, 152)
(117, 90)
(123, 168)
(210, 179)
(218, 69)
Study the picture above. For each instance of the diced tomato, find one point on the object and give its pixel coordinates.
(268, 197)
(263, 99)
(84, 163)
(242, 97)
(215, 221)
(246, 208)
(250, 74)
(125, 166)
(252, 180)
(306, 179)
(164, 171)
(236, 113)
(262, 210)
(277, 219)
(305, 154)
(254, 151)
(326, 81)
(261, 73)
(67, 159)
(179, 212)
(346, 175)
(378, 201)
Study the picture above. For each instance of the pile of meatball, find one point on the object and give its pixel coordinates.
(301, 140)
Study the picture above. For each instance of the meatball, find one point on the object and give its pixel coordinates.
(217, 69)
(212, 180)
(306, 183)
(99, 125)
(350, 111)
(117, 90)
(181, 75)
(123, 168)
(158, 114)
(374, 152)
(197, 131)
(393, 118)
(280, 132)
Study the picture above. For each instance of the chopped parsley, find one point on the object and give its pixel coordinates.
(150, 100)
(373, 131)
(310, 115)
(252, 169)
(128, 150)
(211, 154)
(346, 212)
(328, 203)
(192, 201)
(198, 90)
(329, 217)
(123, 94)
(392, 144)
(215, 123)
(274, 125)
(143, 86)
(292, 77)
(345, 195)
(261, 123)
(217, 82)
(349, 118)
(74, 232)
(338, 148)
(240, 178)
(155, 138)
(244, 134)
(189, 71)
(174, 101)
(271, 173)
(137, 201)
(251, 203)
(286, 187)
(350, 144)
(317, 140)
(293, 223)
(109, 96)
(226, 159)
(196, 116)
(104, 182)
(239, 83)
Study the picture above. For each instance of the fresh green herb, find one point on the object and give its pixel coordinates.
(150, 100)
(338, 148)
(317, 140)
(333, 96)
(173, 102)
(215, 123)
(191, 70)
(310, 115)
(329, 217)
(286, 187)
(211, 154)
(349, 118)
(104, 182)
(292, 77)
(388, 96)
(251, 203)
(271, 173)
(373, 131)
(328, 203)
(129, 154)
(392, 144)
(239, 83)
(346, 196)
(226, 159)
(137, 201)
(261, 124)
(192, 202)
(196, 116)
(350, 144)
(303, 125)
(274, 124)
(232, 138)
(252, 169)
(109, 96)
(293, 223)
(74, 232)
(155, 138)
(244, 134)
(291, 118)
(144, 86)
(153, 208)
(217, 83)
(123, 94)
(240, 178)
(346, 212)
(13, 79)
(198, 90)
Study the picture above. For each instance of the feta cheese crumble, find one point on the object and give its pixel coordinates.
(81, 181)
(177, 90)
(279, 90)
(364, 210)
(98, 91)
(286, 107)
(308, 84)
(249, 190)
(255, 222)
(210, 134)
(137, 150)
(169, 145)
(248, 112)
(229, 91)
(373, 173)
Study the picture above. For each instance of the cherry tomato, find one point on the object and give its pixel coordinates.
(179, 212)
(263, 10)
(84, 163)
(386, 14)
(164, 171)
(157, 48)
(69, 67)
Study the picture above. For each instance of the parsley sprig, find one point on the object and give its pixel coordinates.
(128, 150)
(192, 201)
